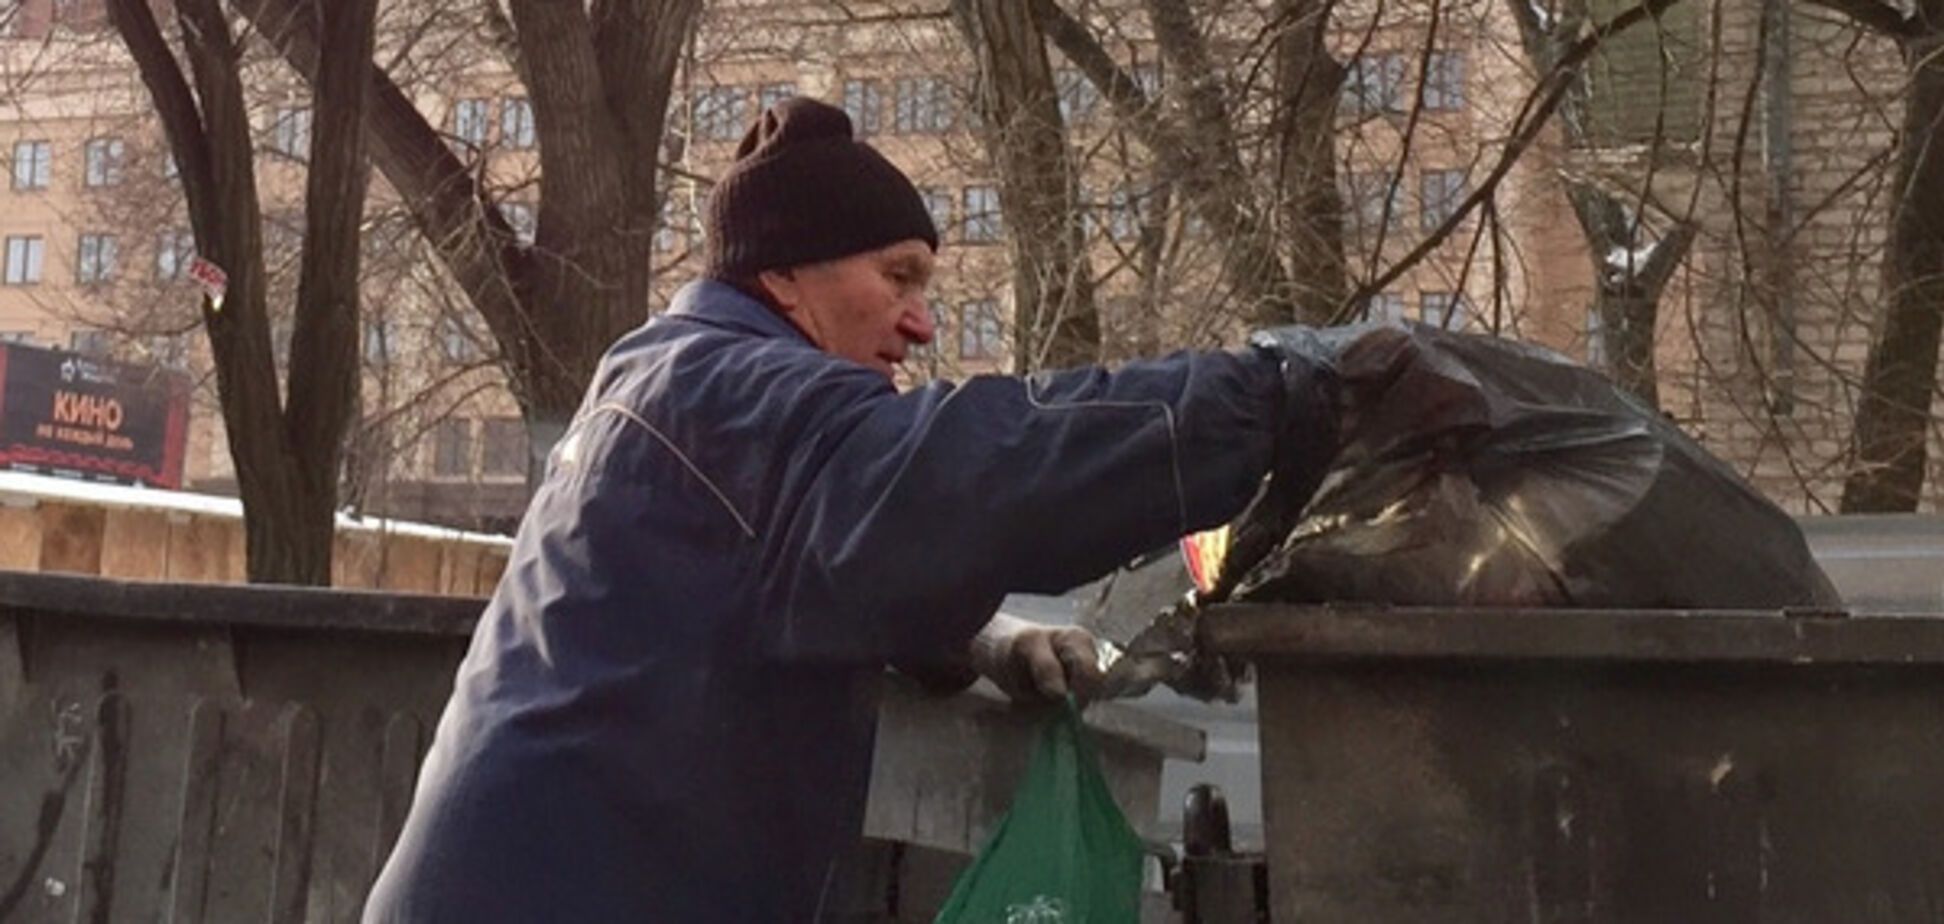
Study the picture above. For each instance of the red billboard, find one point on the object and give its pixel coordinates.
(67, 414)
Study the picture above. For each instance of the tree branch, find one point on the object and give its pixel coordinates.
(1876, 16)
(474, 241)
(1538, 108)
(175, 104)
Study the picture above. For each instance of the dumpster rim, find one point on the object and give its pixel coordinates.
(1337, 632)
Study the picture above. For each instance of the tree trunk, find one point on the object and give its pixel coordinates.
(1308, 81)
(1055, 321)
(324, 369)
(1628, 285)
(1900, 378)
(286, 458)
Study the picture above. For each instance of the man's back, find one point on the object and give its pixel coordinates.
(618, 747)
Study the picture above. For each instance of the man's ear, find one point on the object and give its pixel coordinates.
(782, 286)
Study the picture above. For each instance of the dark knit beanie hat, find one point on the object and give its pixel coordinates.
(802, 190)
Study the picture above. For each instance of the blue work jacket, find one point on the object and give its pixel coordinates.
(667, 710)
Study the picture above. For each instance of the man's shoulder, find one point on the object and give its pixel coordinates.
(688, 363)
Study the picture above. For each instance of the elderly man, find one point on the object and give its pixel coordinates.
(667, 710)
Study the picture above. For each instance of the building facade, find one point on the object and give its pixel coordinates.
(96, 251)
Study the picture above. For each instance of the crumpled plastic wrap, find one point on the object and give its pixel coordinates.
(1478, 471)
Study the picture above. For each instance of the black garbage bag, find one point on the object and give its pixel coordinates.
(1478, 471)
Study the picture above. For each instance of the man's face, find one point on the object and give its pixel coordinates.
(868, 307)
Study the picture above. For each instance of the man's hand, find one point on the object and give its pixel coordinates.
(1036, 662)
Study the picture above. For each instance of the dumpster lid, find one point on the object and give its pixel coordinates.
(1755, 636)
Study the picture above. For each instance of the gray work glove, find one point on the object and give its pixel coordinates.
(1033, 662)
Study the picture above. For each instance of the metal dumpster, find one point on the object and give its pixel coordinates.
(236, 754)
(1586, 766)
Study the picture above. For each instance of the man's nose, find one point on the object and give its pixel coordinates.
(917, 324)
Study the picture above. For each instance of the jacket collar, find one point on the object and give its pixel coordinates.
(719, 304)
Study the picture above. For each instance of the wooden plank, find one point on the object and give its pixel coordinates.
(202, 550)
(71, 538)
(20, 538)
(459, 568)
(491, 565)
(135, 545)
(356, 561)
(411, 564)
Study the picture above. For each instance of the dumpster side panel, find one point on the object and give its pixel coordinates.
(1446, 791)
(197, 772)
(180, 752)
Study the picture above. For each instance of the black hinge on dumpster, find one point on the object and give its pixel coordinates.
(1210, 882)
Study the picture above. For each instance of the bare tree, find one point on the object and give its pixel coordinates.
(599, 76)
(1901, 376)
(1629, 270)
(1198, 149)
(1307, 84)
(1055, 323)
(286, 449)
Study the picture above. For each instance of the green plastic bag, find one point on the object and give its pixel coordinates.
(1064, 853)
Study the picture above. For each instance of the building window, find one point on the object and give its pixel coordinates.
(24, 255)
(1384, 307)
(770, 94)
(1440, 193)
(668, 228)
(456, 340)
(104, 162)
(290, 132)
(1448, 310)
(23, 337)
(1444, 82)
(1125, 211)
(923, 105)
(1596, 341)
(283, 234)
(520, 216)
(939, 203)
(95, 258)
(380, 341)
(979, 333)
(1374, 201)
(452, 449)
(983, 223)
(280, 335)
(89, 342)
(503, 450)
(173, 251)
(1374, 85)
(170, 350)
(470, 117)
(33, 164)
(1147, 76)
(721, 113)
(1079, 99)
(516, 123)
(864, 101)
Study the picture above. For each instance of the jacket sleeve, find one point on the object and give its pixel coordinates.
(897, 536)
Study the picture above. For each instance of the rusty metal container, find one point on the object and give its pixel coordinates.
(1588, 766)
(173, 752)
